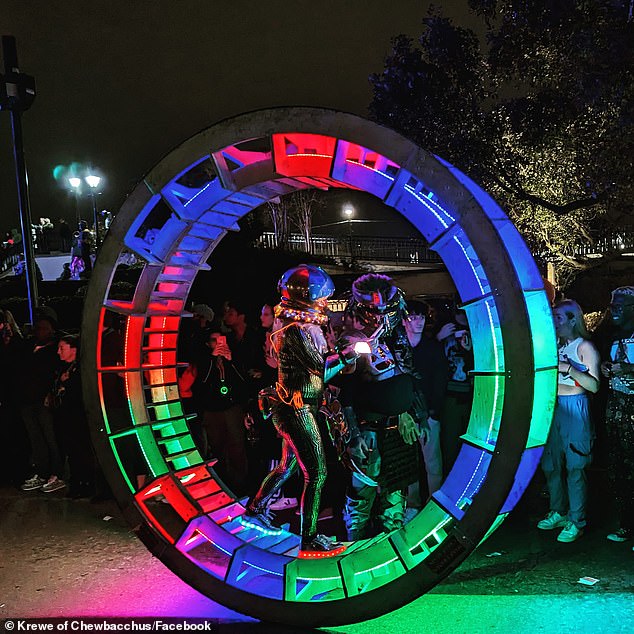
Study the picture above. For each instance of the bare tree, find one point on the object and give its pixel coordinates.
(279, 212)
(304, 203)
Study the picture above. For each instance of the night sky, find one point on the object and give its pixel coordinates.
(120, 83)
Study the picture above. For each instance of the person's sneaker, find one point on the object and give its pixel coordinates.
(320, 546)
(53, 484)
(33, 483)
(283, 503)
(570, 533)
(551, 521)
(622, 535)
(261, 521)
(410, 513)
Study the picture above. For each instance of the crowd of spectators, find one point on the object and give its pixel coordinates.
(229, 360)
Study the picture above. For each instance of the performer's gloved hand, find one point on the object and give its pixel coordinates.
(408, 428)
(425, 430)
(349, 354)
(358, 449)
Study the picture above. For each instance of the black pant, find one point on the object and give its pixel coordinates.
(301, 446)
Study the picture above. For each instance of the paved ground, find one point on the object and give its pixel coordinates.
(62, 558)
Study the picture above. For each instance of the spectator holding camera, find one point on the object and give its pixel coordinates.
(456, 339)
(619, 414)
(219, 390)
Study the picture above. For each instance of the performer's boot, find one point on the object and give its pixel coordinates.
(320, 546)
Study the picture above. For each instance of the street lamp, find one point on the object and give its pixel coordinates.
(93, 181)
(75, 184)
(348, 212)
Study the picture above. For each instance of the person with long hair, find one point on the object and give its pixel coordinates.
(568, 450)
(619, 414)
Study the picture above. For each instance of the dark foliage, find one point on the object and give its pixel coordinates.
(538, 110)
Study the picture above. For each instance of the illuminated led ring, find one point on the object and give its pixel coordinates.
(172, 222)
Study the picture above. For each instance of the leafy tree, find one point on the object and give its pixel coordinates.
(537, 108)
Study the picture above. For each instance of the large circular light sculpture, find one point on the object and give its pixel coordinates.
(172, 222)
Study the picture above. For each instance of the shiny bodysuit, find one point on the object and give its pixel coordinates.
(302, 371)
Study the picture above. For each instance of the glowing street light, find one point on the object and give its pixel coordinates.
(348, 212)
(75, 185)
(93, 181)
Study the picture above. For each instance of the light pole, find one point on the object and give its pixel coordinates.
(93, 181)
(348, 212)
(17, 92)
(75, 184)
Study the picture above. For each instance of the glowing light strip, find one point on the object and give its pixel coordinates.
(307, 154)
(473, 475)
(372, 169)
(207, 186)
(425, 202)
(310, 554)
(385, 563)
(433, 531)
(270, 572)
(470, 263)
(213, 543)
(496, 391)
(196, 535)
(257, 527)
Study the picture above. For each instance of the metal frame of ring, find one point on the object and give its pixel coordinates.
(171, 223)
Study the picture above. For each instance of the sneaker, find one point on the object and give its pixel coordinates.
(570, 533)
(259, 521)
(622, 535)
(551, 521)
(320, 546)
(410, 513)
(33, 483)
(283, 503)
(53, 484)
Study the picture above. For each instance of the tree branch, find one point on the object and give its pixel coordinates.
(560, 210)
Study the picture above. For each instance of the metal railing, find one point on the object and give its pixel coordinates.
(395, 250)
(415, 250)
(612, 243)
(9, 257)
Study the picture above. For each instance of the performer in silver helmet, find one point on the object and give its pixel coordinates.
(303, 369)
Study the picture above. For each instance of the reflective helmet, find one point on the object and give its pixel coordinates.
(305, 287)
(376, 300)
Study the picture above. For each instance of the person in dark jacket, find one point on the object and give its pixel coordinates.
(71, 419)
(38, 364)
